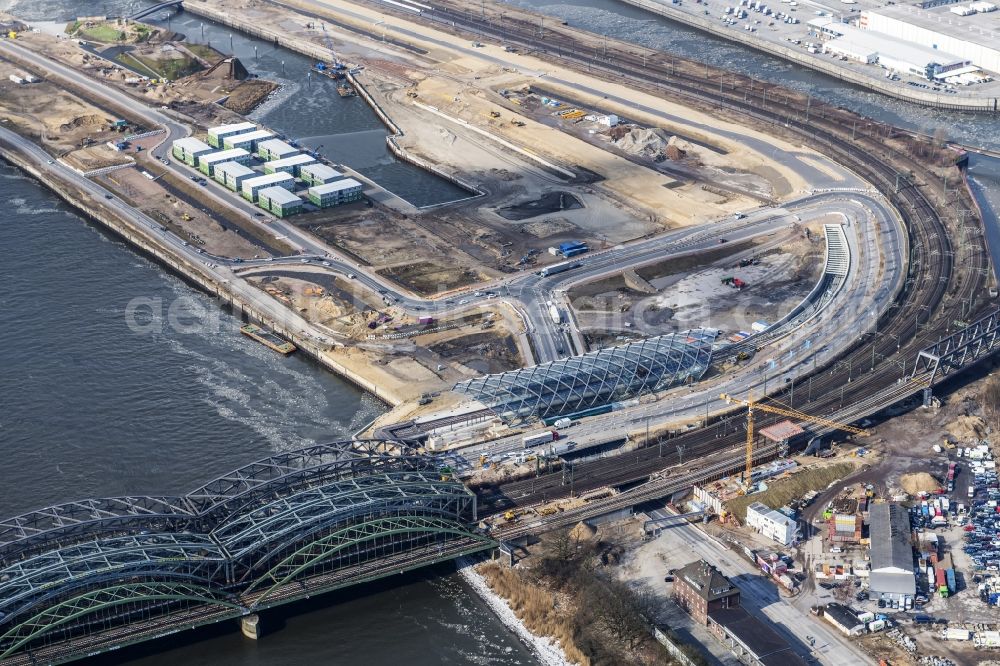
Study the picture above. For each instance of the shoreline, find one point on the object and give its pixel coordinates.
(870, 83)
(138, 242)
(546, 650)
(317, 52)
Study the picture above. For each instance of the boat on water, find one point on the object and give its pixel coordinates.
(346, 90)
(333, 71)
(269, 339)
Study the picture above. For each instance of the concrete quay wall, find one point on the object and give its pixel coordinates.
(826, 66)
(320, 54)
(139, 239)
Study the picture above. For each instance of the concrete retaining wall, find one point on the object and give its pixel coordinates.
(324, 55)
(826, 66)
(190, 273)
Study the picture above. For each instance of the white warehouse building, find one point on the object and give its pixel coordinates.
(974, 38)
(891, 53)
(772, 524)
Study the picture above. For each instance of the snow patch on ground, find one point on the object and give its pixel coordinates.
(546, 649)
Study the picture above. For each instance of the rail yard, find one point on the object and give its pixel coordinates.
(482, 358)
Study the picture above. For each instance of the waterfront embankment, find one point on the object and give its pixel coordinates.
(546, 649)
(320, 54)
(834, 68)
(145, 242)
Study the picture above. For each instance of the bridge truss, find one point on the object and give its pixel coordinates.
(87, 576)
(959, 350)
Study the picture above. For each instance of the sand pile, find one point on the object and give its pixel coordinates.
(966, 428)
(921, 482)
(582, 532)
(651, 143)
(91, 120)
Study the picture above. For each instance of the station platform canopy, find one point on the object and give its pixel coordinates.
(596, 379)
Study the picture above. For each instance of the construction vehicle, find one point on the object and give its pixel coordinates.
(186, 217)
(494, 114)
(517, 123)
(446, 473)
(752, 405)
(411, 94)
(509, 515)
(335, 69)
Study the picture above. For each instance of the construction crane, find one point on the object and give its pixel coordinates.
(752, 404)
(335, 65)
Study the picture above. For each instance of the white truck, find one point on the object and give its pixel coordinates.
(540, 438)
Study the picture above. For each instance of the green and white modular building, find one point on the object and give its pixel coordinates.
(207, 163)
(189, 149)
(248, 141)
(336, 193)
(218, 135)
(279, 201)
(275, 149)
(318, 174)
(232, 174)
(252, 186)
(288, 165)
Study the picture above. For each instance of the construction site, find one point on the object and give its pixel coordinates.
(585, 305)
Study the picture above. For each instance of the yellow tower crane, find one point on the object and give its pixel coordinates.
(751, 405)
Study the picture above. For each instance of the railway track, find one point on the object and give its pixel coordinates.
(932, 298)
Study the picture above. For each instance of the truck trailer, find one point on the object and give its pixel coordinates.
(557, 268)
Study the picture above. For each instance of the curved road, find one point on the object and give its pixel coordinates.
(529, 293)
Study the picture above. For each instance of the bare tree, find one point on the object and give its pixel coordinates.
(989, 397)
(620, 611)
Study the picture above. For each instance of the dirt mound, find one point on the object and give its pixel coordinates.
(582, 532)
(920, 482)
(91, 120)
(644, 142)
(966, 428)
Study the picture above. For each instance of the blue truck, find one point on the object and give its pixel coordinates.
(572, 248)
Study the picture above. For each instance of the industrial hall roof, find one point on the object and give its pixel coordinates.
(766, 645)
(890, 538)
(595, 379)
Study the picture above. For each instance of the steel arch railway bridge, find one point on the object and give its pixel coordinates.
(89, 576)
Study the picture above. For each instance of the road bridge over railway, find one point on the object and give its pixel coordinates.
(94, 575)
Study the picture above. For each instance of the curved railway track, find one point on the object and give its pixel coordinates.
(933, 296)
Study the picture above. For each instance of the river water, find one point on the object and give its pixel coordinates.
(631, 24)
(92, 408)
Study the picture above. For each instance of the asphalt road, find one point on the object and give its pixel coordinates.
(530, 294)
(759, 595)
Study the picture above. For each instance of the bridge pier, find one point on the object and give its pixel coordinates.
(250, 626)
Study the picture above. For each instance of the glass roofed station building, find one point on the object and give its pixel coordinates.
(597, 379)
